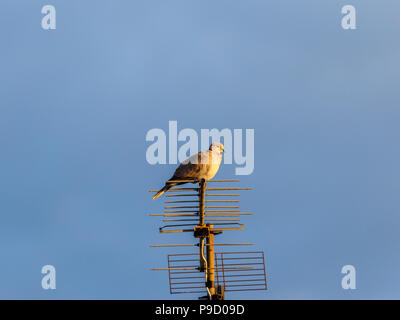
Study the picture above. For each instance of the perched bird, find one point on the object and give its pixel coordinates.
(203, 165)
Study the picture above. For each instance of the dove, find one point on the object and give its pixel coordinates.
(203, 165)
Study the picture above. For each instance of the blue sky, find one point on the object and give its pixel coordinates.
(76, 104)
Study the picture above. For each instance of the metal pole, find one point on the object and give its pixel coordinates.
(202, 193)
(210, 262)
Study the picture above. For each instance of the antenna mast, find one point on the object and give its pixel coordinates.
(205, 217)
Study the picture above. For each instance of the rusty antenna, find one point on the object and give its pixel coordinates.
(207, 212)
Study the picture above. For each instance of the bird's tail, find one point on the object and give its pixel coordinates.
(164, 189)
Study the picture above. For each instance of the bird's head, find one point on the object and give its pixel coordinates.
(217, 146)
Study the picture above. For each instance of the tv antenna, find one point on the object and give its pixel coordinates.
(207, 212)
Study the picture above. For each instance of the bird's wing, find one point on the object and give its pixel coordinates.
(192, 167)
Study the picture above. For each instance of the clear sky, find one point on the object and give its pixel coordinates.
(76, 104)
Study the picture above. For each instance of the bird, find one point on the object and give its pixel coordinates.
(203, 165)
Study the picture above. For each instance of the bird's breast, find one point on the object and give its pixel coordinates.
(211, 168)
